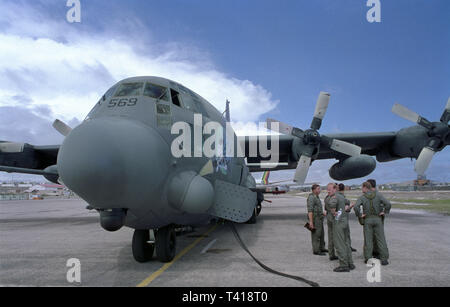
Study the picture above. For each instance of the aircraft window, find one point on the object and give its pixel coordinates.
(105, 97)
(129, 89)
(175, 97)
(156, 91)
(108, 94)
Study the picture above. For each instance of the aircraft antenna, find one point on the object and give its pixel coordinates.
(227, 112)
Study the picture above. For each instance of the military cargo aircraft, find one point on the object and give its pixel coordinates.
(120, 160)
(275, 187)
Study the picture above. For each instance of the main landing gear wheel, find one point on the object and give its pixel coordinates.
(259, 199)
(252, 220)
(258, 209)
(142, 249)
(166, 243)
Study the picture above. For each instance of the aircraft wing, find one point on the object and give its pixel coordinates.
(28, 159)
(371, 143)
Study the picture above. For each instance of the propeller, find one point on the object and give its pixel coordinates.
(62, 127)
(311, 139)
(446, 115)
(439, 133)
(10, 147)
(302, 169)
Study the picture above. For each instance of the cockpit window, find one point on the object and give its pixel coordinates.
(155, 91)
(108, 94)
(104, 98)
(130, 89)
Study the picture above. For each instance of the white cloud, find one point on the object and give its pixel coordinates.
(50, 69)
(51, 64)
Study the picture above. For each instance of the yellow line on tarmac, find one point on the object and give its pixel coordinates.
(152, 277)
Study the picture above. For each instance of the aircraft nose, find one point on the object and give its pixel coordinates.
(114, 162)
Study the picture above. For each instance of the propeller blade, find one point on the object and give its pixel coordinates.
(61, 127)
(277, 126)
(424, 160)
(346, 148)
(302, 169)
(411, 116)
(321, 110)
(322, 105)
(405, 113)
(7, 147)
(446, 116)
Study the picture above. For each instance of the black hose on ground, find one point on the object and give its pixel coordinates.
(241, 243)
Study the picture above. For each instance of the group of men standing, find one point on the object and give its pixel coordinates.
(370, 209)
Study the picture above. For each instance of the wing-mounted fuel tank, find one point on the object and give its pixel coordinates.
(353, 167)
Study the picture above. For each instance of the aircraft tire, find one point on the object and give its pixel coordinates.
(252, 220)
(258, 209)
(259, 199)
(142, 250)
(166, 242)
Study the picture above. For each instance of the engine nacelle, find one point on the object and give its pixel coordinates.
(52, 178)
(353, 167)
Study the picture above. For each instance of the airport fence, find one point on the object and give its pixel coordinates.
(9, 197)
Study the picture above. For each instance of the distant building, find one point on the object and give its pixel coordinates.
(46, 189)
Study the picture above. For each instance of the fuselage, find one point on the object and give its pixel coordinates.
(121, 156)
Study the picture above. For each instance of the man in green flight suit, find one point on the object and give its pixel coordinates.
(330, 224)
(373, 183)
(348, 209)
(315, 217)
(374, 207)
(336, 206)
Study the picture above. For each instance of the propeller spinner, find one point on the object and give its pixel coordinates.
(439, 133)
(312, 139)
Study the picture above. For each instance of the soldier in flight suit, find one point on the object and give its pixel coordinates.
(373, 208)
(336, 205)
(315, 217)
(330, 224)
(348, 209)
(373, 183)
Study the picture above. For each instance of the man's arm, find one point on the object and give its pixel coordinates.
(386, 203)
(357, 206)
(310, 207)
(348, 205)
(311, 220)
(333, 205)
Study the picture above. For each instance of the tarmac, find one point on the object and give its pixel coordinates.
(37, 238)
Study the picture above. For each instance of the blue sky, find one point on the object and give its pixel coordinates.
(297, 48)
(289, 51)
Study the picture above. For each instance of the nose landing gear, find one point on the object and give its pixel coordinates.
(165, 244)
(142, 249)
